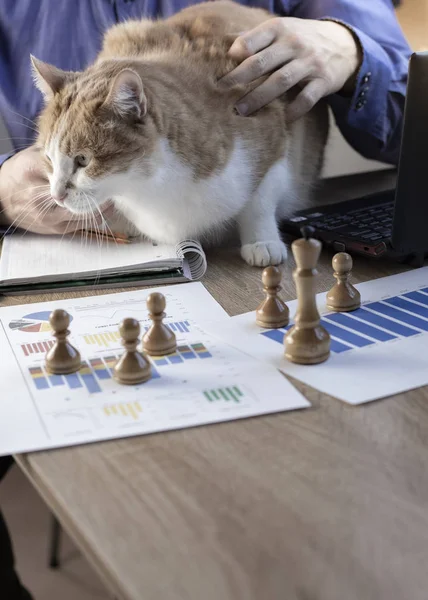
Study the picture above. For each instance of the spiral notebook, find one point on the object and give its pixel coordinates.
(30, 262)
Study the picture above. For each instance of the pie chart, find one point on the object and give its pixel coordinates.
(33, 323)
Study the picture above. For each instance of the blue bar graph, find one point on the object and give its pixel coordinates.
(277, 335)
(338, 347)
(174, 358)
(186, 352)
(382, 321)
(385, 323)
(423, 298)
(73, 381)
(354, 324)
(348, 337)
(155, 373)
(56, 380)
(417, 309)
(390, 311)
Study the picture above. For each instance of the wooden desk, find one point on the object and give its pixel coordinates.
(330, 503)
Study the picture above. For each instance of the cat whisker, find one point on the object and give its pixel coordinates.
(22, 116)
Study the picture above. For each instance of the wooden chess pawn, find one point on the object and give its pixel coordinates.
(62, 358)
(307, 342)
(132, 367)
(272, 312)
(159, 339)
(343, 296)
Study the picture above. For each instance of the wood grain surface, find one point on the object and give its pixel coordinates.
(328, 503)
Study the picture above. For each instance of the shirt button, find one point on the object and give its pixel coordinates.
(366, 78)
(360, 104)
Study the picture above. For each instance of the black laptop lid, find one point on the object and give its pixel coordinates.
(410, 228)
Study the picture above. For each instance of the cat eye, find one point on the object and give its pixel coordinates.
(48, 157)
(82, 160)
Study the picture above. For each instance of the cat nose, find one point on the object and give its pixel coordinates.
(60, 198)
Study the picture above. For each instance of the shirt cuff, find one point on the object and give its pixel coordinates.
(366, 109)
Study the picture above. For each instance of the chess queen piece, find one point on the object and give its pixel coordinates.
(132, 367)
(159, 340)
(272, 312)
(343, 296)
(307, 342)
(62, 358)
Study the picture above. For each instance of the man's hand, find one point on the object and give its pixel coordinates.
(25, 199)
(321, 57)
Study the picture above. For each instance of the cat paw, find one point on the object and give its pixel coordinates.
(262, 254)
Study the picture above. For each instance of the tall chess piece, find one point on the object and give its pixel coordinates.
(62, 358)
(307, 342)
(132, 367)
(159, 339)
(272, 312)
(343, 296)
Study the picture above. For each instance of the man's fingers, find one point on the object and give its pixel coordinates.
(259, 64)
(254, 40)
(277, 84)
(306, 100)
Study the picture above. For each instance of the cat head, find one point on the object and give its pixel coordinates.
(93, 131)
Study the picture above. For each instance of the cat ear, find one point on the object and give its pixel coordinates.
(126, 96)
(49, 79)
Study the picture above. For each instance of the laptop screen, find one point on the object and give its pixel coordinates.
(410, 224)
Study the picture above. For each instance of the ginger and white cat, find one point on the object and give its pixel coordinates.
(148, 126)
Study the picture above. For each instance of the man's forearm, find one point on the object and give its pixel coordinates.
(370, 115)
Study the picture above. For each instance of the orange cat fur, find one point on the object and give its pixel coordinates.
(148, 126)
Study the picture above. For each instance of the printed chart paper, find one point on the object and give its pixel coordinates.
(378, 350)
(204, 381)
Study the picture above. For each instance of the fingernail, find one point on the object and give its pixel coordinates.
(242, 108)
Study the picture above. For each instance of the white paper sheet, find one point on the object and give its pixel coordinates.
(28, 256)
(206, 381)
(377, 351)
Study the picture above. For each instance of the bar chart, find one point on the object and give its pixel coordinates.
(227, 394)
(108, 339)
(97, 370)
(375, 323)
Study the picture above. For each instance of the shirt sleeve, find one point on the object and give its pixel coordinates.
(371, 119)
(4, 157)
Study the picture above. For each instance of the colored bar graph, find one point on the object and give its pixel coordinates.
(37, 348)
(102, 340)
(89, 379)
(227, 394)
(155, 372)
(178, 326)
(159, 360)
(125, 409)
(73, 381)
(110, 361)
(186, 352)
(37, 375)
(201, 351)
(56, 380)
(174, 358)
(99, 368)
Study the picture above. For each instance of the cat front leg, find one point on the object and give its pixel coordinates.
(261, 244)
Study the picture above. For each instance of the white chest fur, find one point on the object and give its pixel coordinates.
(172, 205)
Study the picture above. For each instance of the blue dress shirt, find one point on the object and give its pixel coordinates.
(68, 34)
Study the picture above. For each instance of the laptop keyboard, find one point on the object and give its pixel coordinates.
(371, 224)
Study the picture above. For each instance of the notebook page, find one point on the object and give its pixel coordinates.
(29, 256)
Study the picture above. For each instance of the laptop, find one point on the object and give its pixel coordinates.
(393, 223)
